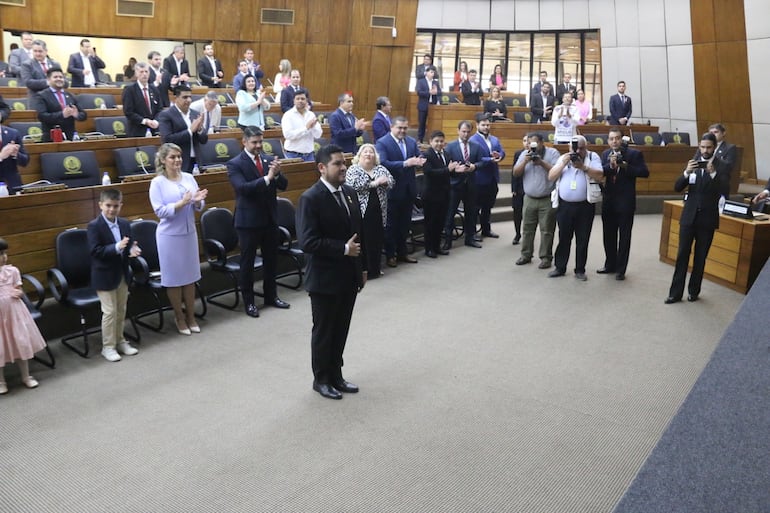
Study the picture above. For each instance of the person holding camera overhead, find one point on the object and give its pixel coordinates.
(576, 172)
(533, 166)
(621, 166)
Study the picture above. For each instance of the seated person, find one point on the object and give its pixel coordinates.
(495, 106)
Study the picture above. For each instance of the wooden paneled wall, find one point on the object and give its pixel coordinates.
(331, 41)
(722, 91)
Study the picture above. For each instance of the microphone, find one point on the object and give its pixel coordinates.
(141, 161)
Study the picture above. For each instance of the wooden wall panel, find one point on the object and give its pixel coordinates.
(733, 74)
(316, 69)
(728, 26)
(321, 20)
(707, 99)
(702, 21)
(156, 27)
(406, 23)
(47, 17)
(178, 21)
(360, 58)
(204, 18)
(360, 18)
(17, 18)
(382, 36)
(97, 13)
(228, 19)
(297, 33)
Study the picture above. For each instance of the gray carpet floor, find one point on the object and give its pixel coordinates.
(485, 387)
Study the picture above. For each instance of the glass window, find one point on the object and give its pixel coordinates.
(593, 77)
(444, 58)
(544, 58)
(569, 59)
(470, 52)
(518, 71)
(494, 54)
(423, 45)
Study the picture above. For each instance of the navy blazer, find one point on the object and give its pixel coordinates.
(108, 265)
(380, 125)
(207, 75)
(287, 98)
(9, 172)
(49, 113)
(255, 201)
(619, 191)
(391, 157)
(489, 171)
(75, 68)
(343, 133)
(135, 108)
(455, 152)
(323, 229)
(424, 98)
(173, 129)
(702, 203)
(537, 107)
(619, 110)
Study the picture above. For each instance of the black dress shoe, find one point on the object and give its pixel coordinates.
(430, 254)
(692, 298)
(278, 303)
(556, 273)
(620, 276)
(407, 259)
(491, 235)
(604, 270)
(346, 386)
(442, 252)
(472, 243)
(516, 240)
(252, 311)
(477, 238)
(327, 390)
(671, 300)
(446, 246)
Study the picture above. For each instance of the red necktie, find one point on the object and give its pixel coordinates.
(146, 99)
(466, 155)
(60, 96)
(258, 163)
(45, 68)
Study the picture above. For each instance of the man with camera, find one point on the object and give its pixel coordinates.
(577, 173)
(533, 166)
(621, 166)
(704, 177)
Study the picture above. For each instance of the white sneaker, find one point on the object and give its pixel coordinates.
(127, 349)
(110, 354)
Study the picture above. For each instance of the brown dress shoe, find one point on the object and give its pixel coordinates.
(408, 259)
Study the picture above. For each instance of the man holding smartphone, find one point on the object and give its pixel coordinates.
(704, 179)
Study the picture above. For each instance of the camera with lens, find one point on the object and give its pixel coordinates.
(574, 155)
(533, 153)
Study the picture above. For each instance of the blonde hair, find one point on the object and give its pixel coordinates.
(284, 66)
(362, 148)
(160, 157)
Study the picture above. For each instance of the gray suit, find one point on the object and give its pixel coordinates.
(17, 57)
(33, 76)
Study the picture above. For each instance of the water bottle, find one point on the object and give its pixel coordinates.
(3, 190)
(106, 179)
(148, 133)
(721, 204)
(75, 137)
(196, 170)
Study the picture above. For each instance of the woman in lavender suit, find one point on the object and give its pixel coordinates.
(175, 196)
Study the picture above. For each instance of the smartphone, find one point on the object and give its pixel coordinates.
(702, 164)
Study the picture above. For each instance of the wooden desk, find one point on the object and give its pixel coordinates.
(738, 252)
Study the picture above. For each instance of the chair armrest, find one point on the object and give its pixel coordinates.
(58, 285)
(39, 290)
(215, 251)
(284, 239)
(140, 270)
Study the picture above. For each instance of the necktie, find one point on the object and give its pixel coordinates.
(341, 202)
(60, 97)
(466, 155)
(442, 157)
(402, 145)
(146, 99)
(258, 163)
(45, 68)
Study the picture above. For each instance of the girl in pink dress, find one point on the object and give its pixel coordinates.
(19, 337)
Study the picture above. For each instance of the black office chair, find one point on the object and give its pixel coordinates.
(135, 161)
(273, 148)
(523, 117)
(95, 101)
(447, 98)
(517, 100)
(115, 125)
(646, 138)
(417, 224)
(668, 138)
(30, 130)
(272, 120)
(10, 82)
(70, 284)
(216, 152)
(289, 246)
(18, 103)
(147, 275)
(319, 143)
(75, 168)
(364, 138)
(220, 240)
(34, 310)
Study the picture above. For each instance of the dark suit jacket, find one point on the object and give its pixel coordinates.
(49, 112)
(343, 133)
(169, 64)
(5, 110)
(255, 202)
(419, 71)
(9, 172)
(287, 98)
(618, 109)
(323, 229)
(455, 152)
(538, 87)
(33, 76)
(206, 74)
(163, 86)
(135, 108)
(471, 97)
(537, 107)
(436, 175)
(489, 171)
(75, 68)
(107, 264)
(405, 188)
(380, 125)
(702, 203)
(173, 129)
(424, 98)
(620, 184)
(560, 90)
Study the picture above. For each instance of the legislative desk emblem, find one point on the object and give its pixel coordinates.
(222, 99)
(231, 123)
(677, 139)
(516, 102)
(19, 106)
(13, 83)
(72, 165)
(118, 127)
(360, 140)
(141, 158)
(528, 117)
(445, 99)
(270, 122)
(35, 130)
(648, 140)
(598, 140)
(222, 150)
(98, 101)
(267, 148)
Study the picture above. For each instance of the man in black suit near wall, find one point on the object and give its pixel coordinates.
(703, 179)
(181, 125)
(177, 66)
(542, 104)
(255, 180)
(328, 226)
(621, 166)
(209, 68)
(55, 106)
(141, 103)
(435, 193)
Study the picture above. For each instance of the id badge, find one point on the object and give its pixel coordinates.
(693, 177)
(573, 185)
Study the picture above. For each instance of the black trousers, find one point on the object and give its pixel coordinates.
(702, 237)
(397, 228)
(435, 210)
(422, 120)
(517, 203)
(249, 239)
(374, 235)
(485, 199)
(574, 219)
(466, 193)
(331, 322)
(616, 229)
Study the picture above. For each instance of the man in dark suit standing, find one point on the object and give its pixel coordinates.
(141, 104)
(176, 66)
(620, 106)
(726, 152)
(700, 217)
(34, 72)
(428, 93)
(344, 126)
(287, 93)
(566, 87)
(381, 120)
(55, 106)
(463, 185)
(12, 155)
(542, 104)
(621, 166)
(84, 66)
(328, 227)
(471, 89)
(111, 243)
(255, 180)
(435, 193)
(20, 55)
(419, 71)
(159, 77)
(399, 154)
(181, 125)
(488, 174)
(210, 69)
(5, 110)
